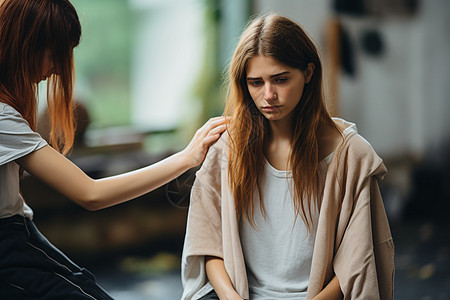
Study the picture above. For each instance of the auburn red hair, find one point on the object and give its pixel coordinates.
(284, 40)
(28, 28)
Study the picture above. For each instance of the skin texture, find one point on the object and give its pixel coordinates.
(276, 89)
(57, 171)
(218, 276)
(273, 84)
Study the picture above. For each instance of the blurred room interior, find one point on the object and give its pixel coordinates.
(150, 72)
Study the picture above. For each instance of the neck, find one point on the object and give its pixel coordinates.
(328, 139)
(280, 130)
(278, 145)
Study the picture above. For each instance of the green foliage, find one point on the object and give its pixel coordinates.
(102, 60)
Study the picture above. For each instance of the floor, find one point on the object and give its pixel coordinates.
(422, 260)
(123, 286)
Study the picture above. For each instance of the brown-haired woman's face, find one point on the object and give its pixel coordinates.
(48, 68)
(275, 87)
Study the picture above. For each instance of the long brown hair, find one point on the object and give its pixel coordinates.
(29, 28)
(284, 40)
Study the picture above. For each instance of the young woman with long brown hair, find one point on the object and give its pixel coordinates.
(37, 38)
(286, 204)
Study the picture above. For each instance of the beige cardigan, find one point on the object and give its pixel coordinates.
(353, 238)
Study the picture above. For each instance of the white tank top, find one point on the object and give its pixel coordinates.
(278, 252)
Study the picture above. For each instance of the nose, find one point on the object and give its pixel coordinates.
(269, 92)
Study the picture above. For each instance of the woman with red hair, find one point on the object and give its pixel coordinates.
(37, 38)
(286, 204)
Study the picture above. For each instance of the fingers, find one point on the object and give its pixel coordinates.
(216, 121)
(212, 136)
(218, 130)
(213, 125)
(204, 138)
(214, 130)
(222, 118)
(210, 140)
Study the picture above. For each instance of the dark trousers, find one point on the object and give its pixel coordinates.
(32, 268)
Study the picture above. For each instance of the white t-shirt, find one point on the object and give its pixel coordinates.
(278, 252)
(16, 140)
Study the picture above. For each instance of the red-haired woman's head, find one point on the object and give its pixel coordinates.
(283, 41)
(37, 38)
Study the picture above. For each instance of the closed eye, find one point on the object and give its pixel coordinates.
(281, 79)
(255, 83)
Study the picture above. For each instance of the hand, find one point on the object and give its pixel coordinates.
(236, 297)
(232, 295)
(219, 279)
(204, 138)
(332, 291)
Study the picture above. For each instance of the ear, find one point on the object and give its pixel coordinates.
(309, 72)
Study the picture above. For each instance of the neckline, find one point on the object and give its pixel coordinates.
(324, 162)
(288, 173)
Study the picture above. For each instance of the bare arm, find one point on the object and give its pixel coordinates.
(60, 173)
(331, 292)
(219, 279)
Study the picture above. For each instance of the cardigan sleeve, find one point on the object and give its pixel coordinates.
(383, 246)
(364, 260)
(204, 226)
(353, 238)
(364, 253)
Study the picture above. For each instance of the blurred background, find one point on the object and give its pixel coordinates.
(150, 72)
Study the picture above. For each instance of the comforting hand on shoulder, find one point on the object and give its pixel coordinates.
(205, 137)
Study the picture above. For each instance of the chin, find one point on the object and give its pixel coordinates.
(272, 117)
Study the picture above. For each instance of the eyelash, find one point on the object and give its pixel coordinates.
(255, 83)
(278, 80)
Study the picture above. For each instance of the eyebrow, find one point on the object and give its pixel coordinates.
(271, 76)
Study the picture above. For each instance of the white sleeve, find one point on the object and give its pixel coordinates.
(17, 139)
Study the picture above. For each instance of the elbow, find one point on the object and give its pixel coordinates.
(91, 205)
(89, 200)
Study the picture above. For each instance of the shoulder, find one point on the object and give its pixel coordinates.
(9, 115)
(357, 154)
(12, 123)
(360, 157)
(219, 151)
(16, 136)
(6, 109)
(216, 159)
(358, 147)
(352, 142)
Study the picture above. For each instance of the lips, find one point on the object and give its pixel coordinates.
(271, 108)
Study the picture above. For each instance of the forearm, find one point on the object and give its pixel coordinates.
(331, 292)
(219, 279)
(117, 189)
(58, 172)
